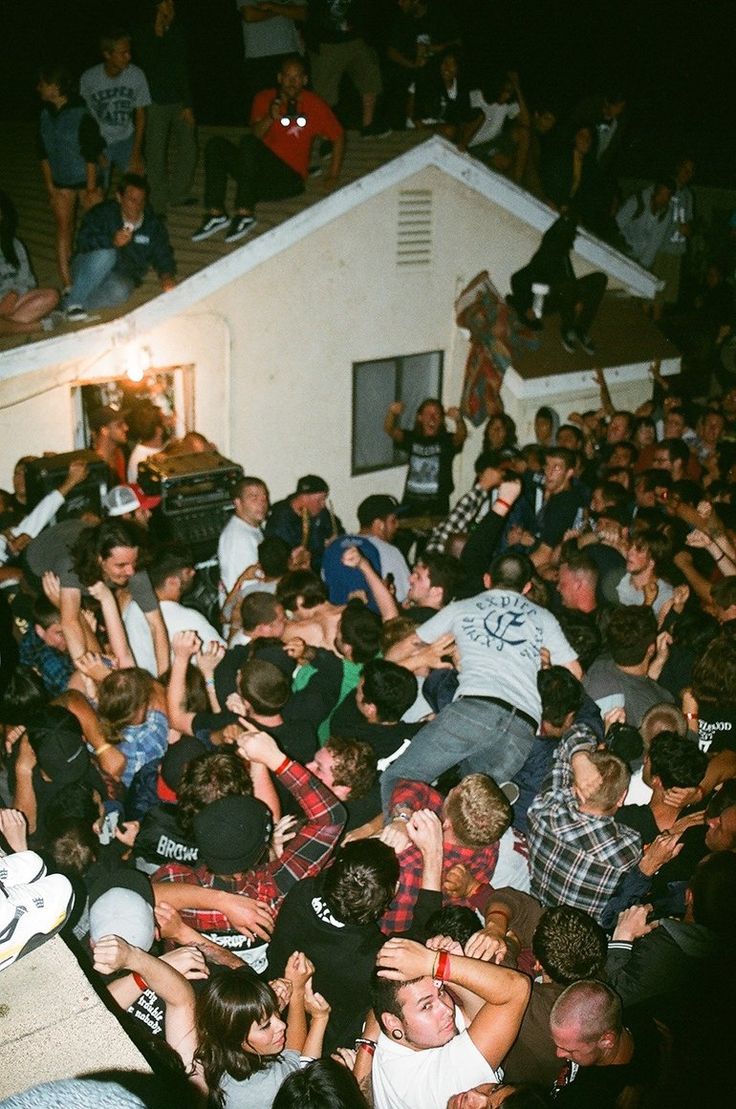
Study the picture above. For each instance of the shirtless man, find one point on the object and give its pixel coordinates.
(314, 619)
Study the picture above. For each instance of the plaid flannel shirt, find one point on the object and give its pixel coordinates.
(480, 861)
(143, 743)
(576, 858)
(54, 667)
(460, 519)
(303, 857)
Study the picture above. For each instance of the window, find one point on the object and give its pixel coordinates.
(410, 378)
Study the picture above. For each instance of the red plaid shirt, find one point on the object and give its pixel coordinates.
(480, 861)
(303, 857)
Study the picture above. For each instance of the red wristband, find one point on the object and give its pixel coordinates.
(504, 504)
(280, 769)
(140, 982)
(443, 967)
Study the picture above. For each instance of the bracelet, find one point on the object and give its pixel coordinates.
(102, 748)
(720, 557)
(367, 1045)
(443, 967)
(434, 964)
(282, 767)
(140, 982)
(210, 683)
(504, 504)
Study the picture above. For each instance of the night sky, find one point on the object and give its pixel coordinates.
(674, 60)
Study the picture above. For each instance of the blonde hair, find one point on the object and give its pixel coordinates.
(478, 811)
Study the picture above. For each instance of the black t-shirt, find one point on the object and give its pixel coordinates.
(679, 869)
(429, 478)
(716, 727)
(556, 516)
(600, 1087)
(363, 809)
(385, 739)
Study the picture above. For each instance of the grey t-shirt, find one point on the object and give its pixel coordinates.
(112, 100)
(139, 585)
(500, 634)
(611, 688)
(266, 37)
(259, 1091)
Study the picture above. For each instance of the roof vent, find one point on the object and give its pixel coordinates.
(414, 232)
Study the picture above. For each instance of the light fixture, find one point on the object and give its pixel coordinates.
(137, 362)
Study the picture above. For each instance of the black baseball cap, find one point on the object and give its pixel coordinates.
(232, 833)
(312, 483)
(56, 737)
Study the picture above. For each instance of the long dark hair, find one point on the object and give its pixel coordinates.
(8, 228)
(99, 542)
(230, 1003)
(323, 1084)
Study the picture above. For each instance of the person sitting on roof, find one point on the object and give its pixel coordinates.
(118, 240)
(272, 160)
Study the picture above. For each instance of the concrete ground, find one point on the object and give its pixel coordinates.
(53, 1025)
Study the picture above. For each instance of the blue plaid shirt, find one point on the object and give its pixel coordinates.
(144, 743)
(55, 667)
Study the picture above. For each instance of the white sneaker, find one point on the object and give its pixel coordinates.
(20, 868)
(31, 914)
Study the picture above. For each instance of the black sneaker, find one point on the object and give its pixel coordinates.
(239, 227)
(210, 226)
(76, 314)
(375, 131)
(585, 342)
(568, 340)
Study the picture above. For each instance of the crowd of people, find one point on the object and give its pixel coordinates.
(436, 812)
(132, 115)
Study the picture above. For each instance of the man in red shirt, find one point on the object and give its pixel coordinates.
(272, 160)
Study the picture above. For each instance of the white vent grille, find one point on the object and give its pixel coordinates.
(414, 231)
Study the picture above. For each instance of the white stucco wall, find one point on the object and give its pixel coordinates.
(273, 348)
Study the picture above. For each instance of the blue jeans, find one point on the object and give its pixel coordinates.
(118, 154)
(482, 737)
(94, 282)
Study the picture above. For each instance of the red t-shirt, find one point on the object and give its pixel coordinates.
(292, 144)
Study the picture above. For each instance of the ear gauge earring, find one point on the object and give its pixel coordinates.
(397, 1034)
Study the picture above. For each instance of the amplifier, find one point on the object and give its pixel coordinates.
(196, 496)
(43, 475)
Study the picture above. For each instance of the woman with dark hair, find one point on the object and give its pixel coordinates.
(499, 433)
(70, 145)
(323, 1084)
(431, 449)
(245, 1049)
(22, 303)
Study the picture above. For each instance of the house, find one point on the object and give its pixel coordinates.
(286, 351)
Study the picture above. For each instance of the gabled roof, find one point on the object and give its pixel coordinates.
(435, 152)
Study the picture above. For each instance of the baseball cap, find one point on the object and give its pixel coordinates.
(376, 507)
(121, 904)
(56, 737)
(232, 833)
(122, 499)
(101, 417)
(177, 758)
(311, 483)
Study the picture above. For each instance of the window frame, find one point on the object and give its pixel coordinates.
(399, 369)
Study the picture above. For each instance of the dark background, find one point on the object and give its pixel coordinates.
(674, 60)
